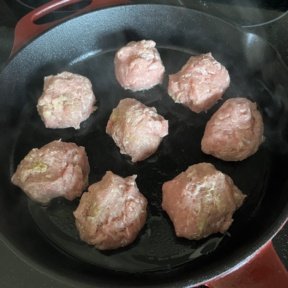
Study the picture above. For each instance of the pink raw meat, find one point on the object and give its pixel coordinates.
(235, 131)
(200, 83)
(138, 66)
(136, 129)
(201, 201)
(67, 100)
(58, 169)
(112, 213)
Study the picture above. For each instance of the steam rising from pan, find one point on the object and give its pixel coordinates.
(81, 36)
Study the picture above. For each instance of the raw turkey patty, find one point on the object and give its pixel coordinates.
(112, 213)
(138, 66)
(58, 169)
(201, 201)
(136, 129)
(66, 101)
(200, 83)
(235, 131)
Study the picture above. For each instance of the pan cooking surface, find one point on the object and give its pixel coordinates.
(87, 45)
(156, 248)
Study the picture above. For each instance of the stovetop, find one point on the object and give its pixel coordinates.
(269, 19)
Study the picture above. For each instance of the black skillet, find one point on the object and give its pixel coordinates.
(46, 236)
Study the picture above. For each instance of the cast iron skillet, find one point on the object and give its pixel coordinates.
(46, 236)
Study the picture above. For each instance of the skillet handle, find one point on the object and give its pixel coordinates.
(264, 270)
(26, 29)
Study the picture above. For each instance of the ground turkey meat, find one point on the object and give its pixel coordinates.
(136, 129)
(201, 201)
(58, 169)
(200, 83)
(112, 213)
(67, 100)
(138, 66)
(234, 132)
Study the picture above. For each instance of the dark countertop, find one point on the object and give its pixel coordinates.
(16, 273)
